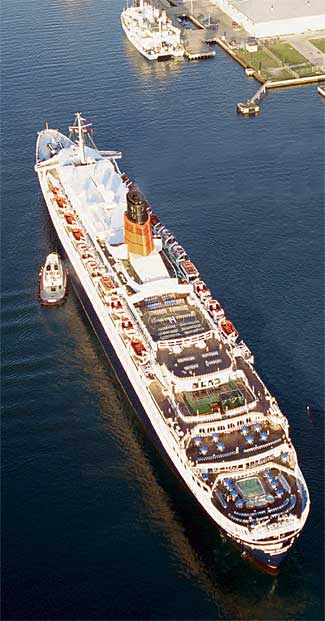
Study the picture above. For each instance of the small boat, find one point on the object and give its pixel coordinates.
(248, 107)
(53, 281)
(321, 90)
(229, 329)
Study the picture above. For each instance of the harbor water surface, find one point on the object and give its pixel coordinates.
(94, 524)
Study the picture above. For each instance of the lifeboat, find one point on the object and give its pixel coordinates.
(70, 218)
(165, 233)
(92, 267)
(126, 325)
(205, 295)
(61, 201)
(158, 228)
(199, 286)
(107, 284)
(178, 251)
(213, 307)
(154, 219)
(170, 242)
(229, 329)
(83, 250)
(77, 234)
(139, 350)
(116, 306)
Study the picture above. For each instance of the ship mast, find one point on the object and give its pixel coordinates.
(80, 128)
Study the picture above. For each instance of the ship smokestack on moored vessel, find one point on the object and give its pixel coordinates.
(137, 226)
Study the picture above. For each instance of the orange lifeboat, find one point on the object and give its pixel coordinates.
(70, 218)
(78, 234)
(229, 329)
(138, 349)
(107, 284)
(61, 201)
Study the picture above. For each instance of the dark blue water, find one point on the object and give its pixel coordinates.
(94, 524)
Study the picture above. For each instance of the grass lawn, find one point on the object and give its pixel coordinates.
(308, 70)
(258, 59)
(319, 43)
(283, 75)
(287, 54)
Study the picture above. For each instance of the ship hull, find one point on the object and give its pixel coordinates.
(270, 551)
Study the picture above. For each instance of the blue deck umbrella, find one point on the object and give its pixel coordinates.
(215, 437)
(244, 430)
(204, 450)
(263, 435)
(239, 503)
(250, 438)
(257, 426)
(221, 446)
(284, 457)
(197, 440)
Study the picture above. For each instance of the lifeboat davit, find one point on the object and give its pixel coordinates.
(229, 329)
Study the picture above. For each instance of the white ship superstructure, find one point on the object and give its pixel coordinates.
(151, 32)
(177, 355)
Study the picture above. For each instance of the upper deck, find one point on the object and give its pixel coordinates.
(172, 316)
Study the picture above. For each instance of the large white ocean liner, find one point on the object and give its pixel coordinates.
(176, 354)
(151, 32)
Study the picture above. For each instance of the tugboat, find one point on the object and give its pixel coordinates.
(53, 281)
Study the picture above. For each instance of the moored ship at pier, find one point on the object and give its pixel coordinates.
(151, 32)
(177, 354)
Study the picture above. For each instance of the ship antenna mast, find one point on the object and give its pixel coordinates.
(80, 129)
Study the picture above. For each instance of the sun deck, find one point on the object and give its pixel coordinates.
(172, 316)
(235, 445)
(195, 360)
